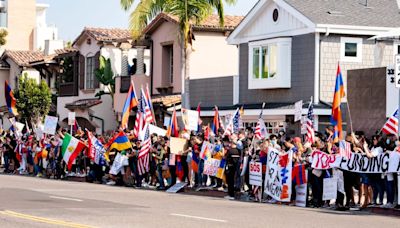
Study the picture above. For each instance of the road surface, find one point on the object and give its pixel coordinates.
(33, 202)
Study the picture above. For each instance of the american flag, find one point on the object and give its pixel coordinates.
(345, 149)
(139, 122)
(146, 108)
(310, 124)
(391, 126)
(261, 129)
(144, 153)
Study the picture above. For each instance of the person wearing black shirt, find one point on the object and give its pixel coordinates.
(232, 161)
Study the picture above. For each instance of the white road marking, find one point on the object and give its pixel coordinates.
(64, 198)
(201, 218)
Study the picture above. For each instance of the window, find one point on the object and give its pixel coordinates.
(168, 64)
(89, 80)
(273, 127)
(270, 64)
(351, 49)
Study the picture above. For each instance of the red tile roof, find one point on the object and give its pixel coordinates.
(105, 34)
(23, 58)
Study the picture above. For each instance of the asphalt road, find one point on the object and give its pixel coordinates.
(32, 202)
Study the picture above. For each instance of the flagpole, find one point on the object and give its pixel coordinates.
(351, 122)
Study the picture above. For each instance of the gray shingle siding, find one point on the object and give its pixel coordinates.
(302, 76)
(211, 91)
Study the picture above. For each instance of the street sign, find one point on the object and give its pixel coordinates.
(71, 118)
(397, 71)
(298, 108)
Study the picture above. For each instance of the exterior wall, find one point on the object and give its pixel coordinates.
(119, 98)
(21, 21)
(302, 75)
(330, 55)
(4, 74)
(167, 33)
(367, 91)
(43, 32)
(212, 57)
(211, 91)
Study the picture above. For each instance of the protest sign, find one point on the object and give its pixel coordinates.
(301, 195)
(211, 166)
(50, 125)
(117, 165)
(298, 108)
(177, 145)
(330, 189)
(383, 163)
(278, 182)
(338, 174)
(71, 118)
(157, 130)
(255, 172)
(177, 187)
(190, 119)
(206, 150)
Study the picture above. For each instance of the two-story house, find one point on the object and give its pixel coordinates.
(289, 50)
(78, 85)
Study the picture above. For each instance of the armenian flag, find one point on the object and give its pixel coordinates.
(119, 142)
(221, 169)
(216, 124)
(10, 99)
(195, 162)
(179, 168)
(299, 174)
(131, 102)
(336, 117)
(173, 129)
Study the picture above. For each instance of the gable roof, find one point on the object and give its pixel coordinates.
(104, 34)
(378, 13)
(23, 58)
(209, 24)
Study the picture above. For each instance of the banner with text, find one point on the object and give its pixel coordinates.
(278, 181)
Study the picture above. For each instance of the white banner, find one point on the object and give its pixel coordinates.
(157, 130)
(301, 195)
(255, 172)
(388, 162)
(330, 187)
(50, 125)
(278, 176)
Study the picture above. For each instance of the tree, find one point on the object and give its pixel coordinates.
(189, 13)
(105, 75)
(3, 35)
(33, 99)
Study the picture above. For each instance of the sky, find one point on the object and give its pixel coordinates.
(71, 16)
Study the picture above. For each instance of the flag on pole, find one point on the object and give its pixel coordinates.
(336, 117)
(299, 174)
(148, 115)
(71, 147)
(119, 142)
(144, 153)
(10, 99)
(150, 103)
(131, 102)
(345, 149)
(96, 150)
(216, 122)
(173, 129)
(310, 136)
(391, 126)
(200, 121)
(261, 130)
(233, 125)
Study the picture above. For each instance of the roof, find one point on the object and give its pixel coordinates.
(104, 34)
(378, 13)
(209, 24)
(23, 58)
(257, 106)
(83, 104)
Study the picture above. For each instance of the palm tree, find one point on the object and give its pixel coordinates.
(188, 12)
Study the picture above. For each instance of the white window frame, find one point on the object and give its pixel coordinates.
(86, 72)
(355, 59)
(282, 78)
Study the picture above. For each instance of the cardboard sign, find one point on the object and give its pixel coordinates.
(177, 187)
(301, 195)
(278, 176)
(157, 130)
(330, 189)
(190, 119)
(255, 173)
(298, 109)
(71, 118)
(211, 166)
(50, 125)
(177, 145)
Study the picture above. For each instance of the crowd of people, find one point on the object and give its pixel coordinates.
(41, 156)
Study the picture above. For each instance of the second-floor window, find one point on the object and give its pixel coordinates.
(351, 49)
(89, 74)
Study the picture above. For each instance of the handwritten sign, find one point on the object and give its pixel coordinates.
(255, 173)
(211, 166)
(278, 181)
(298, 108)
(50, 125)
